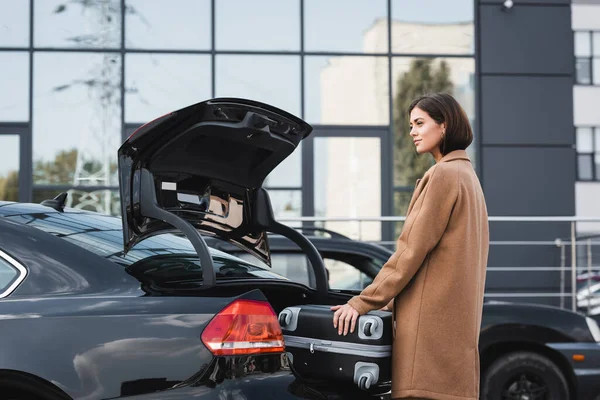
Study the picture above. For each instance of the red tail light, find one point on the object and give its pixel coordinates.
(244, 327)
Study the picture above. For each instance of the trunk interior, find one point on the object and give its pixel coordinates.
(279, 294)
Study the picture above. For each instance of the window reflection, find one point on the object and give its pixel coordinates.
(7, 275)
(257, 25)
(401, 202)
(271, 79)
(414, 77)
(433, 27)
(346, 26)
(583, 46)
(90, 23)
(288, 173)
(9, 168)
(585, 140)
(348, 183)
(14, 81)
(14, 23)
(76, 118)
(102, 201)
(286, 203)
(149, 24)
(160, 83)
(347, 90)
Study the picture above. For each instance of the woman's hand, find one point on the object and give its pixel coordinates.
(344, 318)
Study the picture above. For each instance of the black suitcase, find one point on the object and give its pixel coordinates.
(319, 353)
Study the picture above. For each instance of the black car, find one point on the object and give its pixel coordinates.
(99, 307)
(527, 351)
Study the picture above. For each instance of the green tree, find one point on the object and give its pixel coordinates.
(9, 186)
(59, 171)
(424, 76)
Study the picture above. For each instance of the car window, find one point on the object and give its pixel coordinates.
(9, 275)
(166, 258)
(343, 269)
(345, 276)
(294, 266)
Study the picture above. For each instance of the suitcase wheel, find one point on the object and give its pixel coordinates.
(365, 381)
(365, 374)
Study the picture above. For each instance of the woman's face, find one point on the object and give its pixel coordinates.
(426, 133)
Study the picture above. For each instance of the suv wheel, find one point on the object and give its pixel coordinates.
(524, 376)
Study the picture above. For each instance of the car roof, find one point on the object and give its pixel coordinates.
(12, 209)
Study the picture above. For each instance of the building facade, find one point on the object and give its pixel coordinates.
(76, 78)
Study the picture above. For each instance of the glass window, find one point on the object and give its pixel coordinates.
(8, 274)
(160, 83)
(344, 276)
(596, 41)
(294, 266)
(433, 27)
(346, 90)
(583, 71)
(257, 25)
(597, 139)
(596, 72)
(9, 168)
(401, 203)
(585, 140)
(90, 23)
(585, 167)
(14, 24)
(286, 203)
(355, 26)
(288, 173)
(274, 80)
(149, 24)
(14, 79)
(414, 77)
(76, 118)
(347, 183)
(102, 201)
(583, 46)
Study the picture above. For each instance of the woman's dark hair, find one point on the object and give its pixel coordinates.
(443, 108)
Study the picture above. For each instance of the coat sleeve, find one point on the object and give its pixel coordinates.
(423, 229)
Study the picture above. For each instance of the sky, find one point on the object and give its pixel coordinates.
(161, 83)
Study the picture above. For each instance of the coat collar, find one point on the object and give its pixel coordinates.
(455, 155)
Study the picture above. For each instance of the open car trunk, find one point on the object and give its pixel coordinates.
(199, 170)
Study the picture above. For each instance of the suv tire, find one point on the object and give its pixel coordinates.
(526, 374)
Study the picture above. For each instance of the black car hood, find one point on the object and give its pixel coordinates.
(206, 162)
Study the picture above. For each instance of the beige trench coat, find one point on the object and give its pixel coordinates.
(435, 280)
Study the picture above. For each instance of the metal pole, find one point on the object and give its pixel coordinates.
(573, 268)
(562, 274)
(589, 279)
(359, 229)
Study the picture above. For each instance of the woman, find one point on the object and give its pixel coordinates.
(434, 282)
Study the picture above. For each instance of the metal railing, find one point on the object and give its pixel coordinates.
(576, 267)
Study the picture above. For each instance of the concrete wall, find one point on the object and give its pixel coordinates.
(586, 108)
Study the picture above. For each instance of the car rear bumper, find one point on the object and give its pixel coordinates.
(587, 372)
(231, 378)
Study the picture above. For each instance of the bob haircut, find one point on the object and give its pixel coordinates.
(443, 108)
